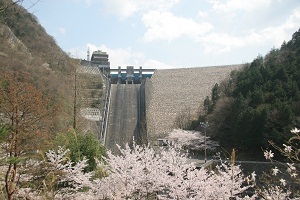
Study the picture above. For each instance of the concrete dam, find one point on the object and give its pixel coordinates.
(125, 115)
(147, 110)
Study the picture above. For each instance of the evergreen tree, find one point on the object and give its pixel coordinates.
(263, 104)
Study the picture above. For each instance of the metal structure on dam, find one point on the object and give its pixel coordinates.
(130, 75)
(126, 110)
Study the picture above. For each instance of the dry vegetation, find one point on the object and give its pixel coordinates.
(41, 95)
(26, 47)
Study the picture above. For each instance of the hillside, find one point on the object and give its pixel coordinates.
(26, 28)
(26, 47)
(258, 104)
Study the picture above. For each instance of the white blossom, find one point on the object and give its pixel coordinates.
(268, 154)
(283, 182)
(295, 130)
(287, 149)
(294, 175)
(253, 176)
(275, 171)
(275, 192)
(140, 172)
(291, 167)
(70, 175)
(192, 140)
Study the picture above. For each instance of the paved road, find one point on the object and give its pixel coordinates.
(123, 115)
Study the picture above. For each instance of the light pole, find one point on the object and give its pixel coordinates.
(204, 125)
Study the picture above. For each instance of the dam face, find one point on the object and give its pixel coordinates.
(147, 111)
(124, 115)
(171, 92)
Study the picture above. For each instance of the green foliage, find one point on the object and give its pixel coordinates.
(210, 104)
(3, 132)
(82, 145)
(264, 102)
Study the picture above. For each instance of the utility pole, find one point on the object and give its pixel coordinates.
(204, 125)
(75, 98)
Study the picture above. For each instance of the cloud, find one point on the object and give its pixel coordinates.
(166, 26)
(155, 64)
(236, 5)
(273, 35)
(62, 30)
(87, 2)
(202, 14)
(284, 31)
(126, 8)
(221, 30)
(224, 42)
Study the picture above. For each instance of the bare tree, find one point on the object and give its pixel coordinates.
(183, 119)
(25, 111)
(8, 4)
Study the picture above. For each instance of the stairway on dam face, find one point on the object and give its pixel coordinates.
(124, 114)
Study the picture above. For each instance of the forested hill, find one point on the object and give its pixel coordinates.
(260, 103)
(25, 47)
(26, 28)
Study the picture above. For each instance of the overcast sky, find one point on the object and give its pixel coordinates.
(169, 33)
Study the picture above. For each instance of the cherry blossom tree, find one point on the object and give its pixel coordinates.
(192, 140)
(280, 181)
(59, 178)
(133, 173)
(139, 172)
(143, 173)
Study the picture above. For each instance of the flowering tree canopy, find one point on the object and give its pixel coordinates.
(137, 173)
(141, 172)
(281, 181)
(192, 140)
